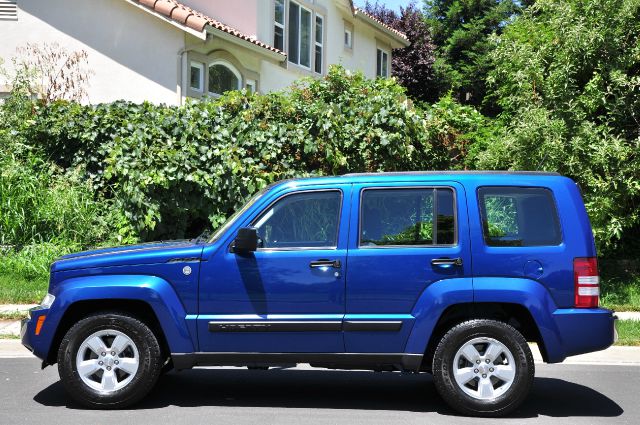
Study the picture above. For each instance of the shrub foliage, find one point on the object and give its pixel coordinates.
(174, 170)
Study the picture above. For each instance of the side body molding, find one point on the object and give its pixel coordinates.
(154, 291)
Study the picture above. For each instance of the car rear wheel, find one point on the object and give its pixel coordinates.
(483, 368)
(109, 360)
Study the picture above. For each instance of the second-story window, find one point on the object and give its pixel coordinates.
(278, 25)
(319, 43)
(299, 35)
(382, 64)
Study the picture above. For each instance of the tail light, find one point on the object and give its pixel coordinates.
(587, 282)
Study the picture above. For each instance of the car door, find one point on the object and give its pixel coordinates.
(403, 239)
(288, 296)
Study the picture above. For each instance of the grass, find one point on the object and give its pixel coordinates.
(15, 289)
(9, 336)
(621, 294)
(628, 332)
(16, 315)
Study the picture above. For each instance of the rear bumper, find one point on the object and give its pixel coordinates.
(582, 331)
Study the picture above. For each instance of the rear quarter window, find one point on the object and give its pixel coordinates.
(519, 216)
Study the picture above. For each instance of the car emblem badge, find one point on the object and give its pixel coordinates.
(186, 270)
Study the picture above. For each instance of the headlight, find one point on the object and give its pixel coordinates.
(47, 301)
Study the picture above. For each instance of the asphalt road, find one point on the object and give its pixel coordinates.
(303, 396)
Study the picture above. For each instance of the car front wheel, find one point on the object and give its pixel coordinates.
(109, 360)
(483, 368)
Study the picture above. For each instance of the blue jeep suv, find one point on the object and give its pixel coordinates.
(449, 273)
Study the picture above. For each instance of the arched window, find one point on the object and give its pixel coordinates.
(223, 77)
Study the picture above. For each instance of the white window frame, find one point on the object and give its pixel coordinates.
(311, 38)
(229, 66)
(319, 44)
(379, 55)
(282, 24)
(200, 66)
(348, 38)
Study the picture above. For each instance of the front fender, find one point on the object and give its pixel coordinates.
(433, 301)
(154, 291)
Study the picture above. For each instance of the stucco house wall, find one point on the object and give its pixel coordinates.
(133, 55)
(146, 49)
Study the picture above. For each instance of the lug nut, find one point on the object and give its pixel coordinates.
(117, 362)
(475, 371)
(487, 360)
(490, 369)
(109, 368)
(113, 353)
(100, 363)
(477, 361)
(104, 354)
(484, 375)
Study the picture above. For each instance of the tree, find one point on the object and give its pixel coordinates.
(461, 31)
(413, 65)
(567, 78)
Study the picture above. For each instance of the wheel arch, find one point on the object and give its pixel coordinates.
(516, 315)
(84, 308)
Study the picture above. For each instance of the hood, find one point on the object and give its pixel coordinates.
(148, 253)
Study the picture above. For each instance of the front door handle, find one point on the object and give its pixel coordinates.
(446, 262)
(325, 263)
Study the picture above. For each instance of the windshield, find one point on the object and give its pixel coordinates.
(222, 229)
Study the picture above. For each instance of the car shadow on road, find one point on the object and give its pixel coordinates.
(341, 390)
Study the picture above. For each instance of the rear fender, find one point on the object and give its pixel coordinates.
(431, 304)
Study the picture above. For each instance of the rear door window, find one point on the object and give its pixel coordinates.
(415, 217)
(519, 216)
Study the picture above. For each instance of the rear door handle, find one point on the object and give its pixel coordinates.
(325, 263)
(446, 262)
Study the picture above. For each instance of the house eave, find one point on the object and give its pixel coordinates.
(199, 34)
(276, 56)
(398, 42)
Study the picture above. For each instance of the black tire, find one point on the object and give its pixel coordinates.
(443, 368)
(149, 365)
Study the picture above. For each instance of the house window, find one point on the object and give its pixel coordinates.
(250, 86)
(382, 64)
(196, 76)
(278, 25)
(348, 39)
(299, 35)
(319, 44)
(223, 77)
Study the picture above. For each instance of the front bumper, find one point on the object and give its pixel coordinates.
(37, 344)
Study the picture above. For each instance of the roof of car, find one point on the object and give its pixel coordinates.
(501, 177)
(420, 173)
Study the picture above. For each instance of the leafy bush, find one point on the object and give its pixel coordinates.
(566, 77)
(176, 170)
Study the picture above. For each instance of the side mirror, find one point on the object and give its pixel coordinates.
(246, 240)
